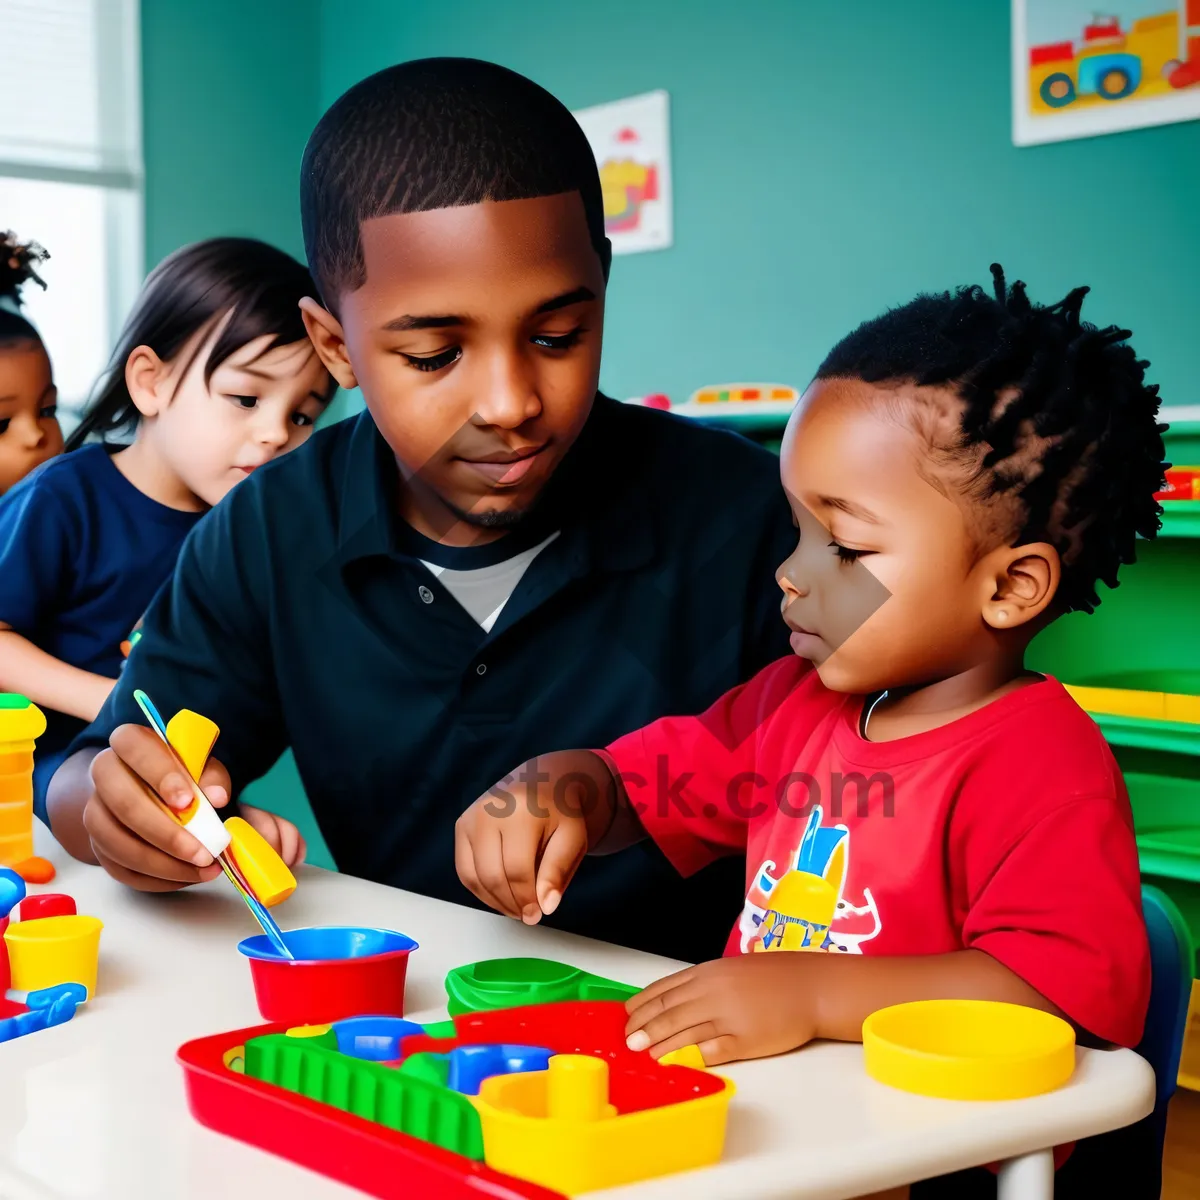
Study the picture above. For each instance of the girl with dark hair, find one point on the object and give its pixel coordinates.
(29, 431)
(213, 377)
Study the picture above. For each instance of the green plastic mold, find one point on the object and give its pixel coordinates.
(401, 1101)
(433, 1068)
(509, 982)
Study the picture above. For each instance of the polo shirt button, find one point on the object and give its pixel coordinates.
(425, 594)
(481, 669)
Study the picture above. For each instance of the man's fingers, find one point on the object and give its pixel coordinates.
(560, 860)
(127, 850)
(134, 879)
(142, 751)
(123, 793)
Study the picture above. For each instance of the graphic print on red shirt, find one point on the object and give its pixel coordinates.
(1006, 831)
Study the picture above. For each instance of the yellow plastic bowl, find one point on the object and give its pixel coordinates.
(968, 1049)
(53, 950)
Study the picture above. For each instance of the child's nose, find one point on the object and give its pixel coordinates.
(274, 432)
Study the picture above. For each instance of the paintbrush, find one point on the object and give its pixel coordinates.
(200, 819)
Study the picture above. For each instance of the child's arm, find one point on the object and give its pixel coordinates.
(755, 1005)
(47, 681)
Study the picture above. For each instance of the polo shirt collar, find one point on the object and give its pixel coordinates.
(605, 524)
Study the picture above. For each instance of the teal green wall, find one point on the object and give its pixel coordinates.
(230, 94)
(829, 159)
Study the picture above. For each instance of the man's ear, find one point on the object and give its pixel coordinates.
(1024, 583)
(147, 379)
(325, 333)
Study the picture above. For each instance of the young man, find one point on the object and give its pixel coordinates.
(491, 561)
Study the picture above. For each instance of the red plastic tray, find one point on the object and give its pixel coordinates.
(379, 1161)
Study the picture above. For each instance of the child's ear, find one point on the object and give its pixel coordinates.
(146, 377)
(1026, 582)
(325, 333)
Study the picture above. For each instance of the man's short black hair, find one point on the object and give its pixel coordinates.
(435, 133)
(1057, 413)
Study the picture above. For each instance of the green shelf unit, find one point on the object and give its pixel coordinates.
(1170, 737)
(1181, 519)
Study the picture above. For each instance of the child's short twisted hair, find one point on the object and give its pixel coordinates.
(1055, 414)
(18, 265)
(434, 133)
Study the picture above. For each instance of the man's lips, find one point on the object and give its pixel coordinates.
(506, 467)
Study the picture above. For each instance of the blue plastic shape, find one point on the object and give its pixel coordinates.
(57, 1006)
(471, 1065)
(376, 1039)
(325, 943)
(12, 891)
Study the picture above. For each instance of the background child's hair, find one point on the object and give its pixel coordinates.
(257, 285)
(1033, 378)
(18, 263)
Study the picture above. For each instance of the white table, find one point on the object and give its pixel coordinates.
(95, 1109)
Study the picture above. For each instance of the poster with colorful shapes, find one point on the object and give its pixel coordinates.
(631, 141)
(1078, 73)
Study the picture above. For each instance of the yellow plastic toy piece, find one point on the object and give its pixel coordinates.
(309, 1031)
(21, 724)
(968, 1049)
(264, 870)
(53, 950)
(194, 736)
(685, 1056)
(557, 1128)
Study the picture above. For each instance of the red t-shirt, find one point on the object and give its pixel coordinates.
(1007, 831)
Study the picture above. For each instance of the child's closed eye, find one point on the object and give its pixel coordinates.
(246, 402)
(848, 554)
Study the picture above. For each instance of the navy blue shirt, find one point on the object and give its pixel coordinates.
(82, 553)
(301, 615)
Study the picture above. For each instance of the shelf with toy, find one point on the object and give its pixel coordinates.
(1181, 519)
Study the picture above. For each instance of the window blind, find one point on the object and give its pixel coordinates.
(68, 91)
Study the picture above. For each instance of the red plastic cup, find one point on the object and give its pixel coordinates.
(49, 904)
(338, 972)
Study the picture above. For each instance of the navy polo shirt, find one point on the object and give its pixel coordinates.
(301, 615)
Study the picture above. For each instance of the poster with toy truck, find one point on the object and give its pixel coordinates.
(631, 141)
(1078, 73)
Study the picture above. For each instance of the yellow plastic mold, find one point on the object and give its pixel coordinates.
(194, 736)
(968, 1049)
(48, 951)
(556, 1128)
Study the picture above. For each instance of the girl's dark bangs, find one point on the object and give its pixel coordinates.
(269, 311)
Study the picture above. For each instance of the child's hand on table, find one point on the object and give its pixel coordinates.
(747, 1006)
(519, 845)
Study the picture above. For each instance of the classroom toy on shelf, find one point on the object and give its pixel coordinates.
(654, 400)
(743, 406)
(1108, 699)
(536, 1101)
(48, 958)
(1183, 483)
(21, 724)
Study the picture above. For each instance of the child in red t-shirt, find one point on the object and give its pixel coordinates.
(942, 821)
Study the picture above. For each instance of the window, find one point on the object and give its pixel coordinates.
(71, 173)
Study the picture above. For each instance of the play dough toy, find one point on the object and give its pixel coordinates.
(538, 1101)
(506, 982)
(968, 1049)
(53, 950)
(21, 724)
(337, 971)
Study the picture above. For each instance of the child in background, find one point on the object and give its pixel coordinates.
(215, 377)
(907, 794)
(29, 432)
